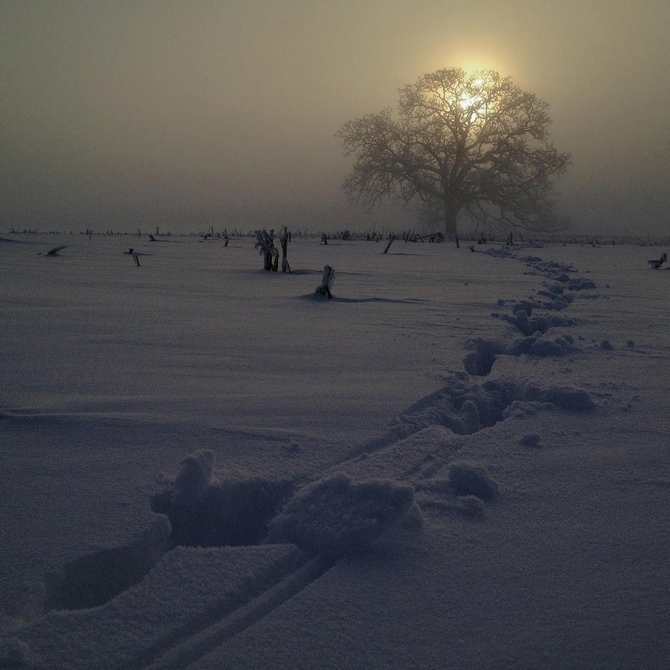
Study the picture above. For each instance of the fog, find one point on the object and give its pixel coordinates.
(223, 113)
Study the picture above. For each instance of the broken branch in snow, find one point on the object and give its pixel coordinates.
(55, 250)
(656, 264)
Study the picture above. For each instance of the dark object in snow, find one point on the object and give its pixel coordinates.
(326, 281)
(431, 237)
(55, 250)
(656, 264)
(390, 242)
(266, 247)
(284, 240)
(134, 254)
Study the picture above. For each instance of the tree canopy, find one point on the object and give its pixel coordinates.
(472, 143)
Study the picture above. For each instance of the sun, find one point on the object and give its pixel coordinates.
(467, 58)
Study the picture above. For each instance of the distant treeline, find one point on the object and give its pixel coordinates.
(374, 235)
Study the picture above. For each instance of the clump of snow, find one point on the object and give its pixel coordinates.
(471, 479)
(561, 397)
(465, 407)
(339, 516)
(541, 346)
(549, 268)
(461, 406)
(539, 323)
(466, 489)
(205, 513)
(580, 284)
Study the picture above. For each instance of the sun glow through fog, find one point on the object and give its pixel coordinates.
(471, 100)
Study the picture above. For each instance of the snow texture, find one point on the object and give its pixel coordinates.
(460, 461)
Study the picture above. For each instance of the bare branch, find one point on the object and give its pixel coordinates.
(471, 142)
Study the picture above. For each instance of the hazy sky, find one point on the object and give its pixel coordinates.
(119, 114)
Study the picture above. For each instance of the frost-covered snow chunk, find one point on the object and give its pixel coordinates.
(542, 347)
(471, 479)
(338, 515)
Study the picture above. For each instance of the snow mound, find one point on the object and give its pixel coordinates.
(471, 479)
(466, 407)
(541, 346)
(466, 489)
(527, 324)
(339, 516)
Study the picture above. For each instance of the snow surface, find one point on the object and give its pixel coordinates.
(519, 396)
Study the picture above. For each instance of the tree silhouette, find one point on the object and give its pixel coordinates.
(473, 143)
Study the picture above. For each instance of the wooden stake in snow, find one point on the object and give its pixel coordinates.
(388, 246)
(285, 267)
(326, 282)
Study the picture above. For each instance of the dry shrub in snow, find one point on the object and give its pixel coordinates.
(338, 515)
(211, 514)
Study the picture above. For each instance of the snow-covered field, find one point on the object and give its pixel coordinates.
(514, 406)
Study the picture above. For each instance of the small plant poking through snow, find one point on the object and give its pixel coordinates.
(339, 516)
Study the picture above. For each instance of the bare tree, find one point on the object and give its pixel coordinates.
(473, 143)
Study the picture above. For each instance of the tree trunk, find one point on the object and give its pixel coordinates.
(450, 225)
(450, 220)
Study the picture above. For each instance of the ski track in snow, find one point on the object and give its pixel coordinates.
(222, 630)
(464, 406)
